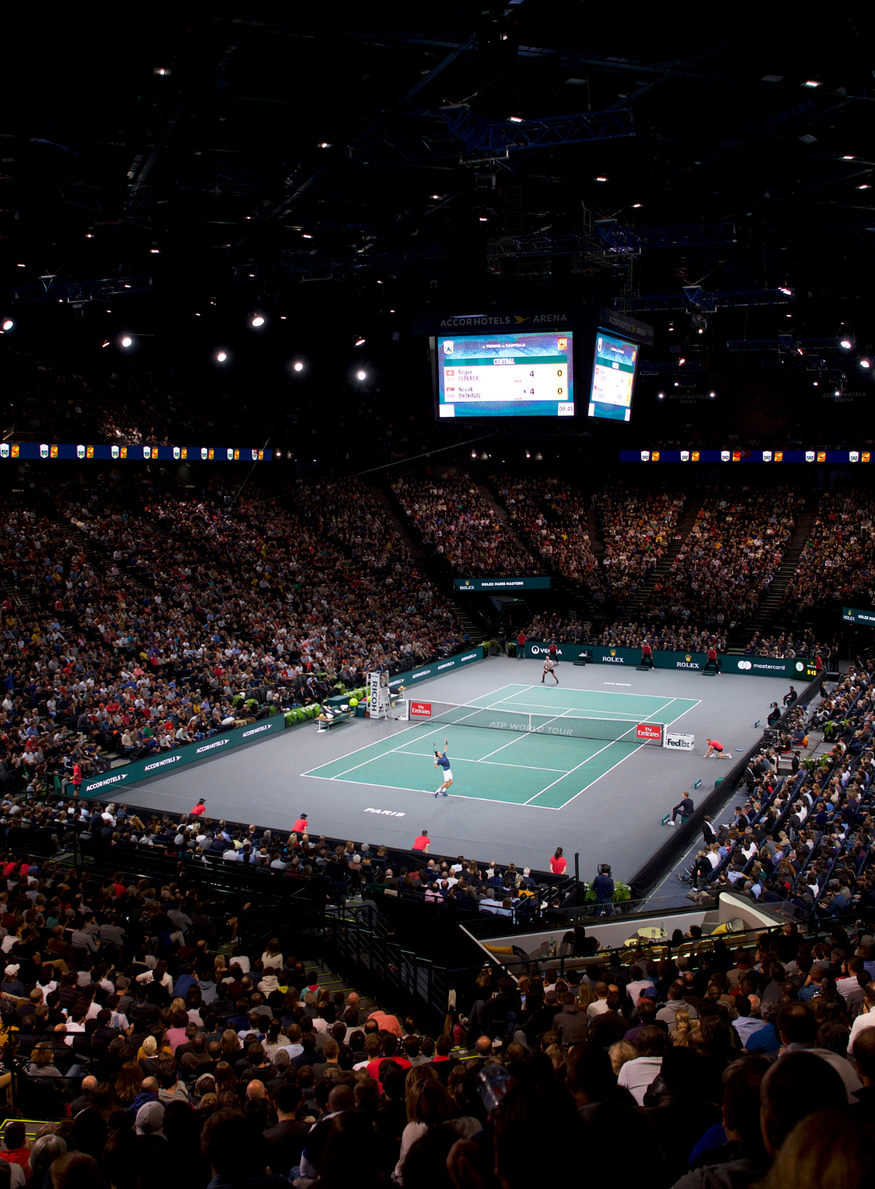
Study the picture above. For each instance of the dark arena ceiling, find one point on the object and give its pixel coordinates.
(705, 168)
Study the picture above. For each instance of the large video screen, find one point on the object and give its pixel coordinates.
(613, 378)
(506, 375)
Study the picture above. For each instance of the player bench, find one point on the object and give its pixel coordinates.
(333, 718)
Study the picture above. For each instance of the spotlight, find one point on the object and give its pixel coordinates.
(127, 341)
(298, 366)
(712, 395)
(221, 356)
(660, 396)
(8, 323)
(847, 344)
(681, 361)
(863, 362)
(361, 375)
(360, 342)
(257, 320)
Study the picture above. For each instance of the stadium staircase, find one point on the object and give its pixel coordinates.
(472, 624)
(768, 618)
(641, 599)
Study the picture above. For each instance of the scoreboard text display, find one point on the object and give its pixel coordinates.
(613, 378)
(506, 375)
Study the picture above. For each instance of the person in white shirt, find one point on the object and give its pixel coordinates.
(637, 1075)
(866, 1019)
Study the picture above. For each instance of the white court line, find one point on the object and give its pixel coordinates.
(364, 747)
(515, 739)
(430, 793)
(622, 760)
(573, 770)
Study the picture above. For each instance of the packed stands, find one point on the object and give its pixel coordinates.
(729, 559)
(836, 562)
(454, 519)
(141, 616)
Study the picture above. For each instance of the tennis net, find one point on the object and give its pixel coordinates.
(504, 719)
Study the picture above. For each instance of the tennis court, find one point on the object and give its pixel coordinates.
(539, 766)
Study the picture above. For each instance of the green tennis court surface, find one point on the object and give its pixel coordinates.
(545, 771)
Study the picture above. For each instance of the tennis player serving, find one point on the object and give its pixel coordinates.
(442, 760)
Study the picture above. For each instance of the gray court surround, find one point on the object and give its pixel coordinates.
(616, 820)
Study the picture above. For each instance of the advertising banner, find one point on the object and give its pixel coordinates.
(108, 784)
(856, 615)
(679, 742)
(600, 654)
(648, 730)
(534, 583)
(436, 669)
(420, 709)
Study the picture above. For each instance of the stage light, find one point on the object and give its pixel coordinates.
(8, 323)
(811, 82)
(863, 362)
(600, 179)
(306, 235)
(712, 395)
(681, 361)
(848, 157)
(298, 366)
(514, 119)
(846, 343)
(324, 144)
(637, 205)
(361, 375)
(257, 320)
(483, 219)
(360, 342)
(22, 266)
(660, 396)
(154, 251)
(865, 186)
(105, 343)
(127, 341)
(221, 356)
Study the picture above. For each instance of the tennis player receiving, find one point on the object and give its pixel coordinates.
(549, 667)
(443, 761)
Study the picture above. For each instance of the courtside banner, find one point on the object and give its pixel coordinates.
(107, 784)
(599, 654)
(649, 730)
(436, 668)
(420, 709)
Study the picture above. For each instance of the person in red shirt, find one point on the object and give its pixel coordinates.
(423, 842)
(558, 863)
(717, 750)
(300, 826)
(199, 809)
(17, 1152)
(390, 1051)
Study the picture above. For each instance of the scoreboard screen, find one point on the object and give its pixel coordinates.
(613, 377)
(505, 375)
